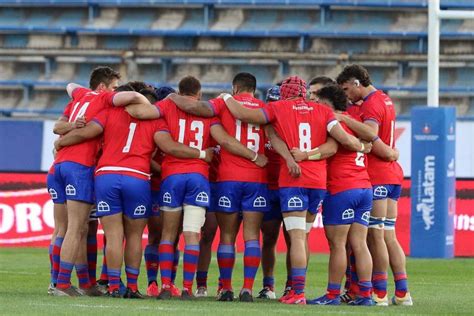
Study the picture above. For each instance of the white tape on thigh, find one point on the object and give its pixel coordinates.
(309, 226)
(389, 223)
(171, 209)
(294, 222)
(376, 222)
(193, 218)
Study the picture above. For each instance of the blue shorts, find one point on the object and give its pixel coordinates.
(387, 191)
(74, 181)
(301, 199)
(235, 196)
(275, 212)
(186, 188)
(55, 190)
(155, 203)
(348, 207)
(117, 193)
(214, 199)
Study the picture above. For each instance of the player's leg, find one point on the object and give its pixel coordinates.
(151, 250)
(337, 219)
(92, 247)
(270, 232)
(228, 219)
(104, 278)
(396, 254)
(294, 205)
(288, 283)
(171, 200)
(208, 234)
(79, 194)
(56, 191)
(377, 246)
(255, 203)
(360, 250)
(175, 291)
(133, 231)
(136, 199)
(114, 232)
(196, 201)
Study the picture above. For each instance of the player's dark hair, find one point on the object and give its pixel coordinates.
(102, 74)
(354, 71)
(139, 85)
(322, 80)
(189, 85)
(150, 95)
(245, 81)
(124, 87)
(334, 94)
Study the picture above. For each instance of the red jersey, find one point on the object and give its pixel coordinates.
(236, 168)
(301, 124)
(189, 130)
(347, 169)
(156, 178)
(354, 111)
(85, 103)
(128, 143)
(378, 107)
(272, 167)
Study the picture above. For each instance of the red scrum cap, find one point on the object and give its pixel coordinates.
(292, 87)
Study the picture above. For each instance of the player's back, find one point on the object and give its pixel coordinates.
(347, 169)
(127, 143)
(378, 107)
(189, 130)
(302, 124)
(85, 103)
(233, 167)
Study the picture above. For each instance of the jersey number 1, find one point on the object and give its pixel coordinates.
(131, 132)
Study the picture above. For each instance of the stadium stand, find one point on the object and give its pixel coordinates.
(46, 43)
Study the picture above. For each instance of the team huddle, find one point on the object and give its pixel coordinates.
(136, 156)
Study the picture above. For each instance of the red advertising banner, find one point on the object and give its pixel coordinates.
(26, 216)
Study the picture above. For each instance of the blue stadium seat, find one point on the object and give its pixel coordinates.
(118, 42)
(150, 72)
(194, 20)
(39, 17)
(11, 16)
(179, 43)
(136, 19)
(71, 18)
(259, 20)
(28, 71)
(15, 40)
(59, 101)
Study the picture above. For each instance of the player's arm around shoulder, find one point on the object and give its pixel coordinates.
(366, 131)
(192, 106)
(77, 136)
(167, 145)
(137, 105)
(235, 147)
(240, 112)
(346, 140)
(383, 151)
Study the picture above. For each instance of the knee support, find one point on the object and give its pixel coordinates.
(193, 218)
(294, 222)
(309, 226)
(376, 222)
(389, 223)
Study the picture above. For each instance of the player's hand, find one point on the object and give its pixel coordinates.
(57, 146)
(397, 154)
(293, 168)
(170, 96)
(209, 154)
(80, 122)
(261, 161)
(298, 155)
(221, 96)
(340, 117)
(367, 147)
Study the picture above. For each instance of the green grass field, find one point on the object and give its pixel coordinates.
(437, 286)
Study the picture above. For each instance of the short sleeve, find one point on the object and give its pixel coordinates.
(215, 121)
(79, 92)
(161, 126)
(162, 107)
(101, 117)
(269, 112)
(370, 111)
(217, 105)
(330, 118)
(108, 98)
(67, 109)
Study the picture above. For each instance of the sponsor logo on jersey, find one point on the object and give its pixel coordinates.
(224, 201)
(70, 190)
(295, 202)
(103, 207)
(260, 201)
